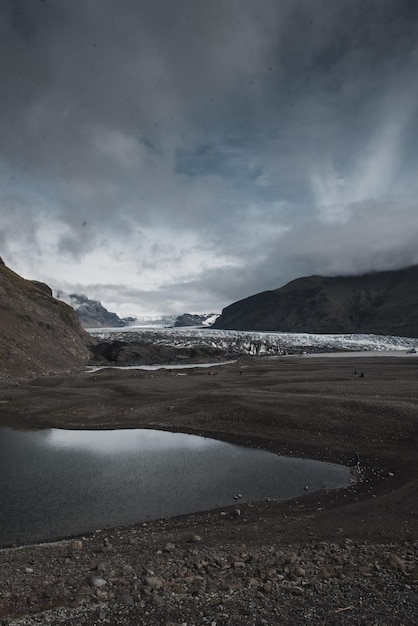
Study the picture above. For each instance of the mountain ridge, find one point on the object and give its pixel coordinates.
(378, 302)
(92, 313)
(194, 319)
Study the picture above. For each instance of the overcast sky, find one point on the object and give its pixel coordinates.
(165, 156)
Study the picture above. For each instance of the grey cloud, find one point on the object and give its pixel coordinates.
(171, 299)
(270, 131)
(377, 237)
(309, 248)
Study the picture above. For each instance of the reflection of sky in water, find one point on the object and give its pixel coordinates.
(129, 440)
(55, 483)
(90, 369)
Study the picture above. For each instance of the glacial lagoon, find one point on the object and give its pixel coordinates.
(57, 483)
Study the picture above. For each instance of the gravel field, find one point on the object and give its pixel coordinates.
(343, 557)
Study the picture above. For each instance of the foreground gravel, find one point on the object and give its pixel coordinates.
(165, 573)
(341, 557)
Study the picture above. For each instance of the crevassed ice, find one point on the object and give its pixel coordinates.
(256, 342)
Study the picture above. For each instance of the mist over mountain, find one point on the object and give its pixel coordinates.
(380, 302)
(38, 333)
(92, 313)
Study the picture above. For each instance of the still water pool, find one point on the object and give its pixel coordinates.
(56, 483)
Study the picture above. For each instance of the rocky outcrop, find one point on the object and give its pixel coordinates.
(42, 286)
(383, 303)
(38, 334)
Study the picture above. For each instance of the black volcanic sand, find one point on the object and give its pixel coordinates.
(345, 557)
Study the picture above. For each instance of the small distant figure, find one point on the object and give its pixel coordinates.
(358, 470)
(358, 374)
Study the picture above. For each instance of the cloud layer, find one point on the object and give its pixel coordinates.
(165, 157)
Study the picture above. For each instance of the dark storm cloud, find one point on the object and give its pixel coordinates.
(281, 135)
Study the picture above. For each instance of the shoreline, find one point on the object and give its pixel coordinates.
(304, 407)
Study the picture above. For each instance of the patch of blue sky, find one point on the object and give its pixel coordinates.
(27, 191)
(241, 163)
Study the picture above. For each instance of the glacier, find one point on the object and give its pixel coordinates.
(260, 343)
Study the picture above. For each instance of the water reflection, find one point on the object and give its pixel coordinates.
(90, 369)
(55, 483)
(117, 441)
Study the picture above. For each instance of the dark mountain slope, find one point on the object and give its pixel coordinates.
(380, 302)
(38, 334)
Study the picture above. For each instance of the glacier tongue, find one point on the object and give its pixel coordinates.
(246, 342)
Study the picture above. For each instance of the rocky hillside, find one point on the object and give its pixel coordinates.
(381, 302)
(92, 313)
(38, 334)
